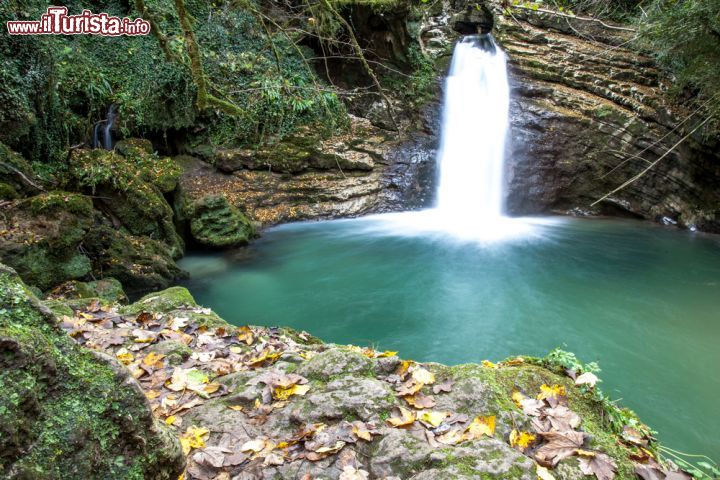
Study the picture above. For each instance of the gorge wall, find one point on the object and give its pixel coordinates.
(587, 114)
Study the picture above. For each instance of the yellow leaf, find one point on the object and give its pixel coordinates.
(521, 439)
(154, 360)
(194, 437)
(170, 420)
(211, 387)
(488, 364)
(125, 358)
(406, 417)
(518, 397)
(480, 426)
(237, 408)
(246, 335)
(451, 437)
(433, 418)
(360, 430)
(151, 394)
(386, 353)
(423, 376)
(283, 393)
(544, 474)
(547, 391)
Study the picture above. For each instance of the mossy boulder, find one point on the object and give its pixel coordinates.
(214, 222)
(108, 289)
(67, 412)
(130, 189)
(139, 263)
(165, 301)
(41, 238)
(17, 178)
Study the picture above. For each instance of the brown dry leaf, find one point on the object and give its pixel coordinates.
(255, 446)
(411, 387)
(451, 437)
(404, 418)
(363, 430)
(420, 401)
(598, 464)
(443, 387)
(562, 418)
(560, 445)
(514, 362)
(634, 436)
(480, 426)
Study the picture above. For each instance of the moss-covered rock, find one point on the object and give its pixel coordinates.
(165, 301)
(131, 190)
(108, 289)
(40, 238)
(67, 412)
(17, 178)
(139, 263)
(214, 222)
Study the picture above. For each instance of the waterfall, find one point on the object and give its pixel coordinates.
(475, 122)
(107, 142)
(471, 156)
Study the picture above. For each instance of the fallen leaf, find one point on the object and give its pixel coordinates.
(443, 387)
(544, 474)
(559, 445)
(420, 401)
(562, 418)
(552, 394)
(488, 364)
(283, 393)
(351, 473)
(422, 375)
(194, 437)
(587, 378)
(480, 426)
(432, 417)
(598, 464)
(404, 418)
(154, 360)
(522, 440)
(246, 335)
(361, 430)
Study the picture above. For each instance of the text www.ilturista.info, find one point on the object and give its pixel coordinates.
(57, 22)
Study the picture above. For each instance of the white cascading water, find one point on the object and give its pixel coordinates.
(472, 153)
(475, 123)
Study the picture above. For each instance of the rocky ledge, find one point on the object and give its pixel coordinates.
(258, 403)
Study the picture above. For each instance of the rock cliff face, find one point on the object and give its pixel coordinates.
(588, 114)
(365, 170)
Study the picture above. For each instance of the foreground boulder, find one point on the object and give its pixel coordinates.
(273, 403)
(67, 412)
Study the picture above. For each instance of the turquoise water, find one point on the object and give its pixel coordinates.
(642, 300)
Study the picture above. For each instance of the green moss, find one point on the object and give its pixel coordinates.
(63, 413)
(8, 192)
(216, 223)
(53, 202)
(164, 301)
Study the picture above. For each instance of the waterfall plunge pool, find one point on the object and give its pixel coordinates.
(640, 299)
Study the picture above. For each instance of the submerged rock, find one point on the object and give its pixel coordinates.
(268, 403)
(215, 223)
(67, 412)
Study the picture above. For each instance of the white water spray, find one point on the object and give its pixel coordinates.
(475, 123)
